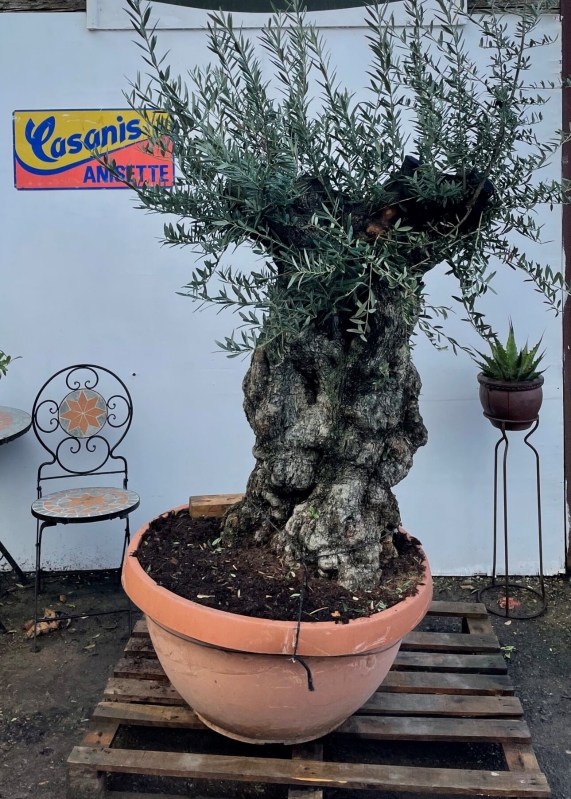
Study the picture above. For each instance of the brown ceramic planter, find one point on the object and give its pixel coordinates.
(517, 404)
(236, 671)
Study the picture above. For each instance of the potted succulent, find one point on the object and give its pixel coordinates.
(276, 622)
(510, 384)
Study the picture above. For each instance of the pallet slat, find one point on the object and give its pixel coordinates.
(148, 715)
(141, 646)
(520, 757)
(312, 750)
(402, 683)
(411, 682)
(140, 629)
(449, 642)
(458, 782)
(148, 668)
(441, 705)
(100, 734)
(132, 795)
(466, 610)
(142, 669)
(478, 627)
(153, 691)
(388, 728)
(418, 682)
(483, 664)
(461, 730)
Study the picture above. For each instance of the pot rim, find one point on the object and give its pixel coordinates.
(510, 385)
(189, 619)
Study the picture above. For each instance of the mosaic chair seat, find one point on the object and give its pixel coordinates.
(81, 433)
(85, 505)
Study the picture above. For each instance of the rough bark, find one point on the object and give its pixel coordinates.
(336, 424)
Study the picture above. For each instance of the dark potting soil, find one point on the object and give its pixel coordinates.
(187, 557)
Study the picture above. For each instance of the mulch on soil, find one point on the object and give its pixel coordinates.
(188, 557)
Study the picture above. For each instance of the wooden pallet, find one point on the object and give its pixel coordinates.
(444, 687)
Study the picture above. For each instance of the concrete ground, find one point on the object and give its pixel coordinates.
(46, 698)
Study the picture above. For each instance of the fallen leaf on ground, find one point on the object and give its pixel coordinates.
(336, 614)
(507, 650)
(45, 627)
(62, 598)
(467, 586)
(89, 646)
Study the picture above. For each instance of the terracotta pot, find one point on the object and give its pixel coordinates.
(517, 404)
(236, 671)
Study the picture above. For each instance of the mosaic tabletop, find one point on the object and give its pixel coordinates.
(85, 503)
(13, 423)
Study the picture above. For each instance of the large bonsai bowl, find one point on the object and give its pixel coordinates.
(237, 672)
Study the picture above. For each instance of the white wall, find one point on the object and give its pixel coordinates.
(84, 279)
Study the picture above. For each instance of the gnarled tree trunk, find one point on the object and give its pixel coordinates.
(336, 424)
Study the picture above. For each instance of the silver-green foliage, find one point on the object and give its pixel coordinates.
(253, 148)
(509, 362)
(4, 363)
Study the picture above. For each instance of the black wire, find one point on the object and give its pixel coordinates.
(295, 657)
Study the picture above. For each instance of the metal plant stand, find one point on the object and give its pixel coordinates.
(505, 582)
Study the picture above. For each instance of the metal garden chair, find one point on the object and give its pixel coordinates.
(81, 433)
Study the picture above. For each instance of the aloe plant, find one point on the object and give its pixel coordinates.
(510, 363)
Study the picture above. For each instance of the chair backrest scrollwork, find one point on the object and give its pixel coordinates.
(83, 428)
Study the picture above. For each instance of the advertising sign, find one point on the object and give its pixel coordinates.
(193, 14)
(54, 150)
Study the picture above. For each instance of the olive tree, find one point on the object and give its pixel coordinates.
(346, 203)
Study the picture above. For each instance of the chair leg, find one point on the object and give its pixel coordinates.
(37, 582)
(125, 545)
(38, 572)
(127, 540)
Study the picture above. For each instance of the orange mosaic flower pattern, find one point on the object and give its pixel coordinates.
(6, 420)
(85, 503)
(83, 413)
(13, 423)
